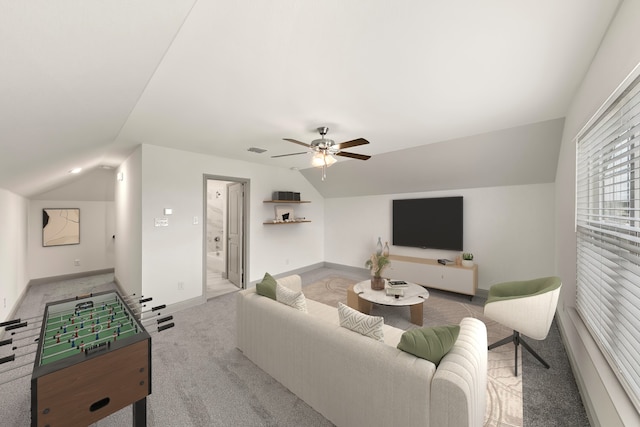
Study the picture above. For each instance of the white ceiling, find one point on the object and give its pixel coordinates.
(83, 82)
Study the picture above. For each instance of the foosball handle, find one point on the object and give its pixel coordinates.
(15, 326)
(7, 359)
(10, 322)
(167, 326)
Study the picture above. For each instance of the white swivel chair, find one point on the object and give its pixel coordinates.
(527, 307)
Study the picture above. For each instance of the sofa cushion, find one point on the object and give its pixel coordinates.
(370, 326)
(291, 298)
(429, 343)
(267, 287)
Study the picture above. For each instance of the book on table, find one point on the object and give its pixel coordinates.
(397, 284)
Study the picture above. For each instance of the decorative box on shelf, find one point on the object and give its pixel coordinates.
(285, 214)
(286, 195)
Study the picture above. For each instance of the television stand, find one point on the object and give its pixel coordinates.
(429, 273)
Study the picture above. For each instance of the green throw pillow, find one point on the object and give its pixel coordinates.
(429, 343)
(267, 287)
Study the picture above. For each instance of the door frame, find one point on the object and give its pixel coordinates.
(245, 226)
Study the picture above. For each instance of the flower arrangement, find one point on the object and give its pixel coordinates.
(377, 263)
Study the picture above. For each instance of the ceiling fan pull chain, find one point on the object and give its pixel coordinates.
(324, 166)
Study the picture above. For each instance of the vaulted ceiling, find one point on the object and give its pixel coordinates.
(82, 83)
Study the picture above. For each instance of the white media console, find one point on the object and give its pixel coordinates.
(429, 273)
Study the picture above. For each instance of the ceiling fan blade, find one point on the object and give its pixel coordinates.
(290, 154)
(353, 155)
(297, 142)
(352, 143)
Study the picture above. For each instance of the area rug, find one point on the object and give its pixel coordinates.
(504, 390)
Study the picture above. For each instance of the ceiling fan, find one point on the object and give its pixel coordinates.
(324, 149)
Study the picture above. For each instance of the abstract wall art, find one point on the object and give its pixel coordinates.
(60, 227)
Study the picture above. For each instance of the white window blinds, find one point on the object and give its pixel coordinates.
(608, 234)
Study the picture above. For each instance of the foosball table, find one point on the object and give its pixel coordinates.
(93, 359)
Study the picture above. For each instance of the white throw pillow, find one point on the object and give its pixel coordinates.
(291, 298)
(370, 326)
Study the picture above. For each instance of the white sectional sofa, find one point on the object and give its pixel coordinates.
(353, 380)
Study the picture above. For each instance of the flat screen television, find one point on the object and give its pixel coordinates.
(434, 223)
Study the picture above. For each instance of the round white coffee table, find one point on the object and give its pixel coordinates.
(413, 296)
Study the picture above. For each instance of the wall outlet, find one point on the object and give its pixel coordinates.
(76, 262)
(5, 302)
(195, 220)
(180, 285)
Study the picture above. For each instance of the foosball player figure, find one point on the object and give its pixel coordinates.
(58, 338)
(76, 332)
(115, 335)
(81, 345)
(64, 328)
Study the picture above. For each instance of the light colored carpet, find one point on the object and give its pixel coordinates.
(504, 390)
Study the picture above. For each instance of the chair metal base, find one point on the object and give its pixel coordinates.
(517, 340)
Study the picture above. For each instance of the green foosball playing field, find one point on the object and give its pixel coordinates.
(86, 326)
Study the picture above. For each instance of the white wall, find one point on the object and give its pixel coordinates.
(96, 248)
(619, 53)
(170, 255)
(510, 230)
(128, 201)
(13, 250)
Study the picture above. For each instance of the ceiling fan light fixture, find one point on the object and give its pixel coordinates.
(317, 161)
(325, 149)
(321, 159)
(329, 159)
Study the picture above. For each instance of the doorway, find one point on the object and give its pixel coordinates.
(224, 243)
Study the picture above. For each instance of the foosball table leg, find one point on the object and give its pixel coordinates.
(140, 413)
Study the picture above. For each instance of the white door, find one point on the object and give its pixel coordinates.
(235, 194)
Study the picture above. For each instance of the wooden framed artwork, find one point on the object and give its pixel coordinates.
(60, 226)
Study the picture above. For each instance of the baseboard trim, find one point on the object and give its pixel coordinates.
(178, 306)
(43, 280)
(346, 268)
(301, 270)
(604, 398)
